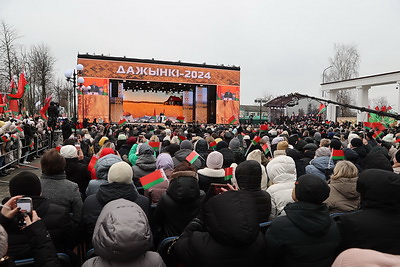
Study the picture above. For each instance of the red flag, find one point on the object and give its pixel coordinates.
(192, 157)
(44, 109)
(264, 128)
(152, 179)
(22, 85)
(228, 173)
(337, 154)
(181, 137)
(155, 145)
(256, 140)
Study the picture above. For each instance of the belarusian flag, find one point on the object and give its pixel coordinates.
(213, 144)
(264, 128)
(8, 112)
(3, 105)
(43, 110)
(192, 157)
(228, 173)
(181, 137)
(14, 137)
(231, 120)
(256, 140)
(20, 117)
(4, 138)
(22, 86)
(31, 144)
(122, 122)
(180, 119)
(155, 145)
(322, 108)
(337, 154)
(152, 179)
(265, 148)
(19, 129)
(377, 134)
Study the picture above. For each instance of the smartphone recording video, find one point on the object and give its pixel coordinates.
(25, 204)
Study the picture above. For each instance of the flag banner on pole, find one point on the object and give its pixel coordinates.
(321, 109)
(377, 134)
(4, 138)
(155, 145)
(44, 109)
(19, 129)
(213, 144)
(14, 137)
(256, 140)
(265, 148)
(153, 179)
(228, 173)
(264, 128)
(192, 157)
(232, 120)
(122, 122)
(8, 112)
(182, 138)
(337, 154)
(22, 86)
(180, 119)
(3, 105)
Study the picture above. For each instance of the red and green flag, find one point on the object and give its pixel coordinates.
(377, 134)
(22, 86)
(180, 119)
(153, 179)
(321, 109)
(122, 122)
(4, 138)
(19, 129)
(264, 128)
(181, 137)
(192, 157)
(155, 145)
(266, 149)
(14, 137)
(45, 107)
(8, 112)
(337, 154)
(213, 144)
(232, 120)
(256, 140)
(32, 144)
(228, 173)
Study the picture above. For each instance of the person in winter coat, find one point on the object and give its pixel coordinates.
(376, 225)
(307, 235)
(145, 164)
(343, 195)
(122, 237)
(248, 176)
(355, 257)
(42, 247)
(234, 146)
(282, 174)
(213, 173)
(225, 234)
(55, 186)
(120, 185)
(376, 160)
(186, 148)
(396, 162)
(300, 164)
(102, 167)
(201, 147)
(126, 148)
(76, 172)
(322, 164)
(180, 203)
(56, 218)
(356, 144)
(164, 162)
(257, 156)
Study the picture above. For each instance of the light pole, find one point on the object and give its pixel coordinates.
(71, 77)
(261, 101)
(323, 73)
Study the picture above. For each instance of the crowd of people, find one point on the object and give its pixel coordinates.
(307, 193)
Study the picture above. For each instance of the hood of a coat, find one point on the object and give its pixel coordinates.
(184, 189)
(323, 163)
(164, 161)
(181, 154)
(146, 162)
(201, 146)
(346, 187)
(103, 165)
(145, 149)
(379, 189)
(361, 151)
(229, 157)
(248, 175)
(122, 232)
(312, 218)
(109, 192)
(376, 160)
(231, 218)
(281, 169)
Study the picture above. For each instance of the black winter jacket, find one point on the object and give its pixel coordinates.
(306, 236)
(228, 236)
(77, 172)
(179, 204)
(108, 192)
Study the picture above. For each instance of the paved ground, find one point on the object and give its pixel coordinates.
(4, 180)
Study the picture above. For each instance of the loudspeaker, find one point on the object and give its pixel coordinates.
(114, 89)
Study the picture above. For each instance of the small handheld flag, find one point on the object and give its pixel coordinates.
(264, 128)
(155, 145)
(321, 109)
(31, 145)
(180, 119)
(228, 173)
(182, 138)
(256, 140)
(122, 122)
(232, 120)
(265, 148)
(192, 157)
(19, 129)
(153, 179)
(213, 144)
(337, 154)
(4, 138)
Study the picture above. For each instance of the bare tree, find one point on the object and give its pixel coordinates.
(9, 63)
(380, 101)
(345, 65)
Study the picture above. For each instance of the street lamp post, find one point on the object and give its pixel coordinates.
(261, 101)
(71, 77)
(323, 73)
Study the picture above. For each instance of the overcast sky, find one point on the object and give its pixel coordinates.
(281, 46)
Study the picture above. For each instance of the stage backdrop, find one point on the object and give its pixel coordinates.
(227, 80)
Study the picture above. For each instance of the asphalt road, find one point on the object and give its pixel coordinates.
(4, 180)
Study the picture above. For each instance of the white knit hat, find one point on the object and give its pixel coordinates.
(120, 172)
(69, 152)
(215, 160)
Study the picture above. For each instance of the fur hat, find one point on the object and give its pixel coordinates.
(3, 242)
(215, 160)
(283, 145)
(25, 183)
(311, 188)
(322, 151)
(120, 172)
(69, 152)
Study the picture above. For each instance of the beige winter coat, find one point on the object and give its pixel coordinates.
(343, 196)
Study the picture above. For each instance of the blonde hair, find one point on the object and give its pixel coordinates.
(324, 142)
(106, 145)
(154, 138)
(344, 169)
